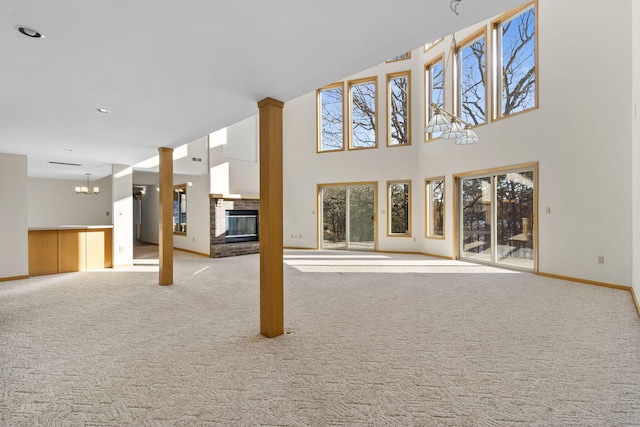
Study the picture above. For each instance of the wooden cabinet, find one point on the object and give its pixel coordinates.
(66, 250)
(43, 252)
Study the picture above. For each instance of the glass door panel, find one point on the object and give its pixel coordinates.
(361, 213)
(514, 224)
(497, 218)
(348, 217)
(476, 219)
(334, 218)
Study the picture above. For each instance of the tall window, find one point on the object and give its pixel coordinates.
(180, 209)
(471, 73)
(362, 113)
(435, 207)
(434, 90)
(330, 117)
(515, 35)
(399, 208)
(398, 106)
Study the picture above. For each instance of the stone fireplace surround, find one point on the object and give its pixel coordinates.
(218, 205)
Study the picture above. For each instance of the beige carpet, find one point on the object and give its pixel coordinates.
(375, 339)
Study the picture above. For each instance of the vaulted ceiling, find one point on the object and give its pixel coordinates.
(172, 71)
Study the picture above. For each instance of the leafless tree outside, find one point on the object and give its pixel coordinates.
(363, 115)
(332, 134)
(399, 114)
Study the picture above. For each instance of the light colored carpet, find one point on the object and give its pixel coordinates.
(375, 339)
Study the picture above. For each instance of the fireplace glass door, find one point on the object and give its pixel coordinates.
(241, 226)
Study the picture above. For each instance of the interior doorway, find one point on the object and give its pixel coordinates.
(347, 216)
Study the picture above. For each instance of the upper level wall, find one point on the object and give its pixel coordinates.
(14, 257)
(580, 136)
(53, 202)
(635, 18)
(233, 159)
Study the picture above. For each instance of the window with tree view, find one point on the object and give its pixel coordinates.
(401, 57)
(362, 113)
(330, 117)
(435, 207)
(434, 79)
(180, 209)
(398, 96)
(471, 60)
(516, 57)
(399, 207)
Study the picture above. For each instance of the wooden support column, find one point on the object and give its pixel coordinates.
(271, 238)
(165, 232)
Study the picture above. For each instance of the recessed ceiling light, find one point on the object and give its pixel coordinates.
(68, 149)
(29, 32)
(103, 110)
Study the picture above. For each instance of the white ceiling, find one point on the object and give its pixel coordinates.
(172, 71)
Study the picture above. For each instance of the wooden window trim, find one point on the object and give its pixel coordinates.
(427, 92)
(390, 77)
(319, 187)
(177, 188)
(350, 84)
(482, 32)
(410, 219)
(389, 61)
(427, 204)
(496, 113)
(479, 173)
(319, 118)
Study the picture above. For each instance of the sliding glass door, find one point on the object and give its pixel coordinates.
(476, 219)
(348, 217)
(496, 218)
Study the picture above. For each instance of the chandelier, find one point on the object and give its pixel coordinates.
(85, 189)
(451, 126)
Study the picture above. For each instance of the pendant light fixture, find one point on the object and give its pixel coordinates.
(451, 126)
(86, 189)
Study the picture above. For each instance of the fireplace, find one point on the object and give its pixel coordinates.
(234, 225)
(241, 226)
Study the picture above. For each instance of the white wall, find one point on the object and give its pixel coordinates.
(233, 159)
(584, 167)
(122, 184)
(635, 19)
(197, 238)
(53, 202)
(304, 169)
(191, 158)
(198, 234)
(14, 246)
(150, 205)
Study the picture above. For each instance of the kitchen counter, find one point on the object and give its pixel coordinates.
(71, 227)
